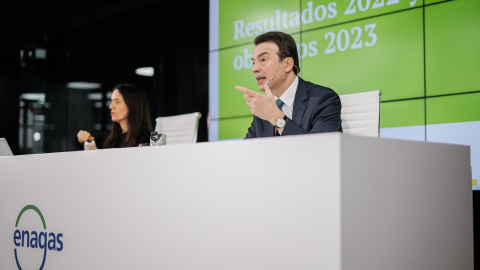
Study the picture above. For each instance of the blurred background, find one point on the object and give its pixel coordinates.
(60, 61)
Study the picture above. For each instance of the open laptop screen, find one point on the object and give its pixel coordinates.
(5, 148)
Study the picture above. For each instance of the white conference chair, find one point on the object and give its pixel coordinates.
(361, 113)
(182, 128)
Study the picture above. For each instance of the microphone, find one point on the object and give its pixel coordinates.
(278, 70)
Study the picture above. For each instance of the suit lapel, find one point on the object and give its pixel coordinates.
(300, 102)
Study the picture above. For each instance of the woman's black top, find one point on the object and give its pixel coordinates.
(143, 137)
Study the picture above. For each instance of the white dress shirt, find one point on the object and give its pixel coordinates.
(288, 97)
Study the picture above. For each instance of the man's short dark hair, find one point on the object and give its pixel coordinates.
(286, 46)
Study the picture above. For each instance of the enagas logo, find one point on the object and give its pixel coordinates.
(31, 245)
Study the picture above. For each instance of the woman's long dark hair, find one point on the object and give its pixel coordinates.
(138, 116)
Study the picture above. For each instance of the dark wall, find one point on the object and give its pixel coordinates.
(9, 100)
(102, 43)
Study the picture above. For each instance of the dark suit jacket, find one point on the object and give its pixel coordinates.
(315, 109)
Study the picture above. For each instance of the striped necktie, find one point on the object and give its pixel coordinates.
(279, 103)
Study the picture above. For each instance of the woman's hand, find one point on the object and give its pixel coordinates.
(83, 136)
(90, 147)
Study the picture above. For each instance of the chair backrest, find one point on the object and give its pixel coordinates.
(361, 113)
(182, 128)
(5, 148)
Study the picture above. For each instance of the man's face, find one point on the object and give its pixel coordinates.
(266, 64)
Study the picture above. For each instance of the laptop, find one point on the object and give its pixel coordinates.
(5, 148)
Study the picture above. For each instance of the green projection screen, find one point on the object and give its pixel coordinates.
(422, 54)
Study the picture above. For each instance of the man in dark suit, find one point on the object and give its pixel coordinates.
(290, 105)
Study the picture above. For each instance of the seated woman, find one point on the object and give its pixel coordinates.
(131, 121)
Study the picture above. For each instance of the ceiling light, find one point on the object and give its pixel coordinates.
(33, 96)
(145, 71)
(83, 85)
(95, 96)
